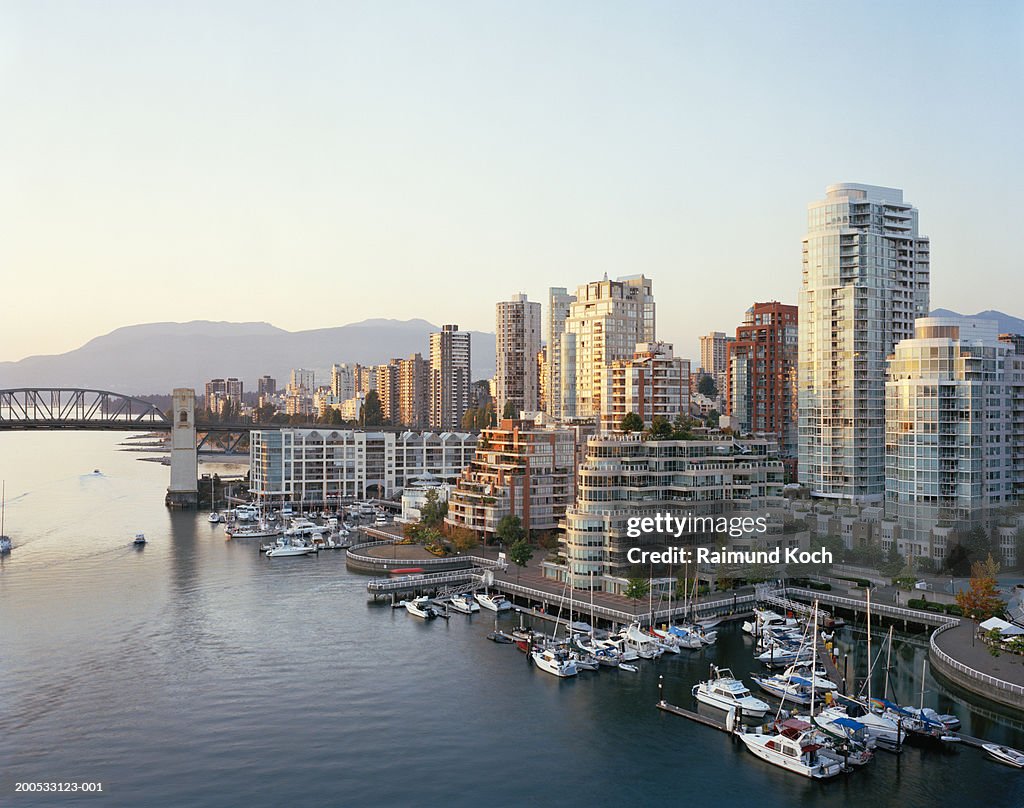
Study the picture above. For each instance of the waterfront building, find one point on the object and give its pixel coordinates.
(520, 468)
(554, 324)
(605, 322)
(449, 377)
(625, 477)
(326, 466)
(952, 441)
(343, 382)
(760, 394)
(266, 386)
(413, 392)
(652, 383)
(865, 280)
(517, 343)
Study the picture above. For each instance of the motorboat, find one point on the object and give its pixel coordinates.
(585, 662)
(140, 539)
(5, 542)
(617, 645)
(885, 732)
(285, 548)
(689, 637)
(262, 530)
(421, 607)
(496, 603)
(794, 748)
(848, 732)
(767, 619)
(464, 604)
(643, 644)
(794, 689)
(213, 518)
(948, 720)
(779, 657)
(557, 663)
(726, 692)
(500, 637)
(1004, 754)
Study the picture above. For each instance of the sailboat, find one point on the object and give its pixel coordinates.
(5, 542)
(214, 517)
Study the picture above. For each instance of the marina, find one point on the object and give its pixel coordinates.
(196, 630)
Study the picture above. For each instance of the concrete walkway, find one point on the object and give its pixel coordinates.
(957, 643)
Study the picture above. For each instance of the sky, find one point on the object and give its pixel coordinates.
(311, 164)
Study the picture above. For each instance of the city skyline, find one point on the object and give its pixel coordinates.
(250, 153)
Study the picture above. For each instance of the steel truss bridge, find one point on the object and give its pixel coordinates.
(76, 408)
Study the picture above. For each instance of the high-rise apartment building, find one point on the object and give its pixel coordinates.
(652, 383)
(449, 377)
(266, 386)
(387, 390)
(413, 392)
(760, 391)
(343, 382)
(714, 358)
(606, 321)
(303, 379)
(1015, 341)
(234, 389)
(216, 391)
(517, 342)
(865, 281)
(364, 377)
(554, 324)
(952, 438)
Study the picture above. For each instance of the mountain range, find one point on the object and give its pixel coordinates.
(157, 357)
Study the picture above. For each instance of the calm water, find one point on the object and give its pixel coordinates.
(194, 672)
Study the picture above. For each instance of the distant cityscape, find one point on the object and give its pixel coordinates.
(850, 415)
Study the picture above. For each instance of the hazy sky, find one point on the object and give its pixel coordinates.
(313, 164)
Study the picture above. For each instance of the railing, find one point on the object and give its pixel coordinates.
(880, 609)
(1000, 684)
(428, 581)
(477, 561)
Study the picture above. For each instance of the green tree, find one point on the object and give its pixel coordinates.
(661, 429)
(520, 553)
(463, 539)
(510, 530)
(371, 414)
(893, 561)
(434, 510)
(636, 589)
(631, 423)
(706, 386)
(509, 410)
(833, 544)
(712, 417)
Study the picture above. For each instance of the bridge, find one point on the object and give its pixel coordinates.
(76, 408)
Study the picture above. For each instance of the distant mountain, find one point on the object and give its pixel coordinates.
(156, 357)
(1007, 324)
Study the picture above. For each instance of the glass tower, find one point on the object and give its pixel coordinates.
(865, 281)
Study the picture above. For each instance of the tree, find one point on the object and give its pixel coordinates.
(636, 589)
(434, 510)
(510, 530)
(463, 539)
(520, 554)
(660, 429)
(509, 410)
(893, 561)
(981, 600)
(712, 417)
(706, 386)
(631, 423)
(833, 544)
(372, 414)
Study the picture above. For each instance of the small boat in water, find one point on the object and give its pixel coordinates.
(496, 603)
(140, 539)
(556, 663)
(794, 748)
(421, 607)
(726, 692)
(5, 542)
(501, 637)
(465, 604)
(285, 548)
(1004, 754)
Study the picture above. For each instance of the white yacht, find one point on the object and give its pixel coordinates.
(726, 692)
(285, 548)
(213, 518)
(795, 749)
(261, 530)
(554, 663)
(496, 603)
(644, 645)
(465, 604)
(140, 539)
(1005, 754)
(880, 729)
(420, 607)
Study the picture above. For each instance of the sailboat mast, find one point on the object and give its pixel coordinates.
(814, 657)
(869, 645)
(924, 670)
(888, 660)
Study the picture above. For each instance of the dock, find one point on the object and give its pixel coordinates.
(693, 716)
